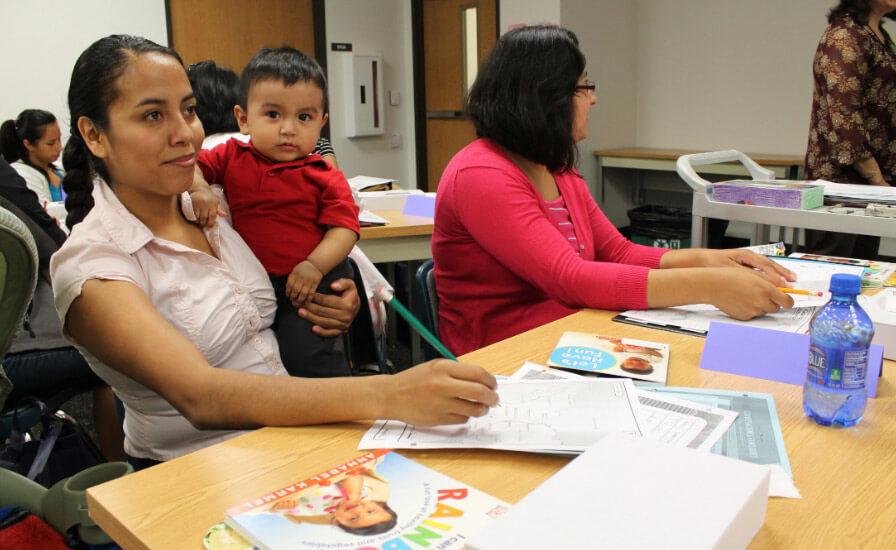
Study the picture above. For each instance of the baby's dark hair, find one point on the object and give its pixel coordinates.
(217, 90)
(92, 89)
(376, 528)
(285, 64)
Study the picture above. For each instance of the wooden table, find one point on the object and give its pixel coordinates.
(846, 477)
(404, 238)
(642, 158)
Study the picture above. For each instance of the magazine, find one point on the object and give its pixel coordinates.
(610, 356)
(378, 500)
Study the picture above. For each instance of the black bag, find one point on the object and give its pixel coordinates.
(62, 450)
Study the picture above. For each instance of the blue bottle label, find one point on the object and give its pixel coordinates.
(847, 374)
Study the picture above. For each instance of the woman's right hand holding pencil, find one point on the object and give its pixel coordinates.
(439, 392)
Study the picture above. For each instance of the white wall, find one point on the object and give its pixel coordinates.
(607, 31)
(527, 12)
(727, 74)
(382, 27)
(42, 39)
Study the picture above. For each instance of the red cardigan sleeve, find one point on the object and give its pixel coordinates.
(502, 212)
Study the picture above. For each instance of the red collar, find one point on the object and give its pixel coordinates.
(312, 158)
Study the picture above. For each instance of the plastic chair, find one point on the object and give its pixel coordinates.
(18, 278)
(426, 304)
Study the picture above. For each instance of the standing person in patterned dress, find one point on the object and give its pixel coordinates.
(852, 135)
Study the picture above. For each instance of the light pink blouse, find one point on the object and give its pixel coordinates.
(225, 307)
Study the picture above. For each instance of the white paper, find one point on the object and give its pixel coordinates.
(366, 216)
(677, 422)
(696, 318)
(535, 416)
(682, 423)
(813, 275)
(870, 193)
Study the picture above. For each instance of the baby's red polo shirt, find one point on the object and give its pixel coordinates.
(281, 209)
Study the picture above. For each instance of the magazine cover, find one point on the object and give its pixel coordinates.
(610, 356)
(379, 500)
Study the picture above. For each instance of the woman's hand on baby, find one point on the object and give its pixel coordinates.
(332, 314)
(440, 392)
(302, 282)
(744, 294)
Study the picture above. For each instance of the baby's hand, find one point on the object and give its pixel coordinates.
(303, 282)
(206, 206)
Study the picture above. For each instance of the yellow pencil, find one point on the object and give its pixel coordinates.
(800, 291)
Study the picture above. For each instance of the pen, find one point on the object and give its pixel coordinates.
(800, 291)
(386, 296)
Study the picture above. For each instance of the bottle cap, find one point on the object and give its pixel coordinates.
(842, 283)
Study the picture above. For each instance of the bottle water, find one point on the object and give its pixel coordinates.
(834, 393)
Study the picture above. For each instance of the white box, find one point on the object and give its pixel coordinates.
(882, 309)
(387, 200)
(630, 492)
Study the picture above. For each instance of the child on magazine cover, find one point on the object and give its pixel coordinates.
(294, 211)
(356, 503)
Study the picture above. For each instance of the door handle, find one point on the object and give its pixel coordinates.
(445, 115)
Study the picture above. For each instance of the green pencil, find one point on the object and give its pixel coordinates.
(386, 296)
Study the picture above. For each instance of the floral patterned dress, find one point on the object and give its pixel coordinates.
(853, 118)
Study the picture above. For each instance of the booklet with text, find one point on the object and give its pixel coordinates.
(378, 500)
(610, 356)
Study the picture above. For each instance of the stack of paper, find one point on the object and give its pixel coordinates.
(850, 193)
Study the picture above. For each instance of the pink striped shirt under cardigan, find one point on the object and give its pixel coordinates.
(504, 266)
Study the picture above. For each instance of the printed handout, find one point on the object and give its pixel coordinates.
(558, 416)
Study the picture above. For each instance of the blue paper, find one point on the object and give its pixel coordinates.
(420, 205)
(769, 354)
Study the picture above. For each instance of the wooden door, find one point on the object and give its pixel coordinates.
(229, 32)
(447, 36)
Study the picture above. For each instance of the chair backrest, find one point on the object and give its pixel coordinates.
(18, 276)
(426, 303)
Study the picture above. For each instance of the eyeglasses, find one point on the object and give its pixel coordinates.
(590, 86)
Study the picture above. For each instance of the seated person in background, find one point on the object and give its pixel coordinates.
(519, 241)
(217, 92)
(177, 318)
(31, 144)
(15, 189)
(294, 210)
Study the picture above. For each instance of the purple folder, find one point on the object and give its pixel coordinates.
(769, 354)
(420, 205)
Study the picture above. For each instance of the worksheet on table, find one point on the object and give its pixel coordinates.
(557, 416)
(677, 422)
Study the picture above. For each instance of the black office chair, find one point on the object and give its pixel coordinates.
(426, 304)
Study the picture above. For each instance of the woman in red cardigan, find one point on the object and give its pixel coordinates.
(518, 239)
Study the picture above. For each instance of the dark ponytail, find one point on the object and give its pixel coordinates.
(29, 125)
(91, 91)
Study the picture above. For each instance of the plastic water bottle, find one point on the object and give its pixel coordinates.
(834, 393)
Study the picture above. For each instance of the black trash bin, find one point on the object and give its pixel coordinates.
(661, 226)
